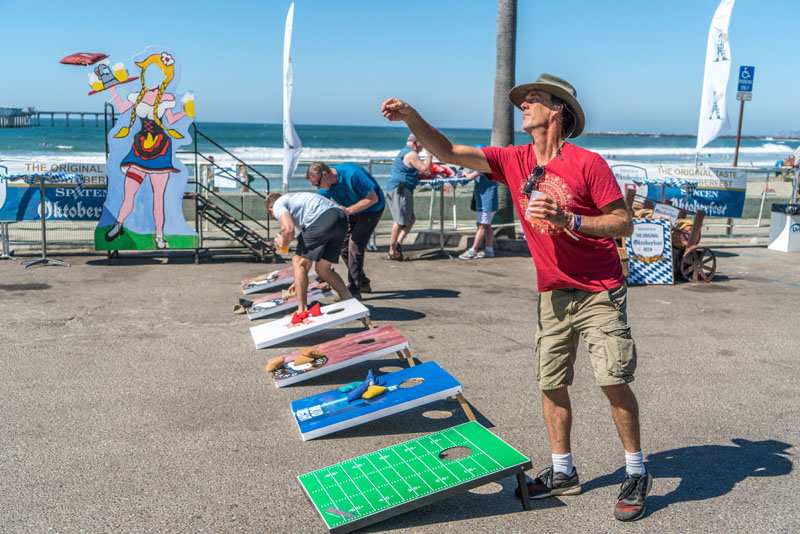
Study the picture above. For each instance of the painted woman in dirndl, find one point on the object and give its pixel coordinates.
(151, 150)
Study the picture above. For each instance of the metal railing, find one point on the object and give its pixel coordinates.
(201, 188)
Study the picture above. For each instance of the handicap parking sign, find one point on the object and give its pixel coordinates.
(746, 74)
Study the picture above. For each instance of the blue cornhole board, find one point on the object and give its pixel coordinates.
(416, 386)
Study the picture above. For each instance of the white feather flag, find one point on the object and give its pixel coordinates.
(292, 146)
(713, 105)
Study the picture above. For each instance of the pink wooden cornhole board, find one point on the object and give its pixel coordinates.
(344, 352)
(274, 303)
(281, 277)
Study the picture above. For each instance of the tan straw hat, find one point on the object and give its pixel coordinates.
(555, 86)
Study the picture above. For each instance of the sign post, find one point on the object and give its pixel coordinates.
(743, 92)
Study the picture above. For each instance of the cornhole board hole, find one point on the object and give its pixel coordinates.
(280, 330)
(265, 282)
(373, 487)
(274, 303)
(329, 412)
(344, 352)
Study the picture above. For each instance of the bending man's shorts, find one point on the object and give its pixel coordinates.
(323, 238)
(601, 319)
(401, 204)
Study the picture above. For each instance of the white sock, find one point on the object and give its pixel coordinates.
(562, 463)
(634, 463)
(489, 250)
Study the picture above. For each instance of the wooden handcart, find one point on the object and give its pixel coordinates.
(692, 261)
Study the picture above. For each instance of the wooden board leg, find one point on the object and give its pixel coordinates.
(367, 322)
(465, 406)
(523, 491)
(406, 355)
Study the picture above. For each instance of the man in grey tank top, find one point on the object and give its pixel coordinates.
(403, 178)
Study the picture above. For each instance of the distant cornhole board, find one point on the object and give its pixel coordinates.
(373, 487)
(274, 303)
(280, 330)
(406, 389)
(265, 282)
(343, 352)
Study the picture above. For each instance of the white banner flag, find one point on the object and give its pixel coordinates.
(713, 105)
(291, 142)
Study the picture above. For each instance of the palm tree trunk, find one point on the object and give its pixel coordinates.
(503, 116)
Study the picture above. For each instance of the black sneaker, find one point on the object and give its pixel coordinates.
(549, 483)
(365, 286)
(632, 499)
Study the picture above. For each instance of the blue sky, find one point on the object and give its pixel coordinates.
(637, 65)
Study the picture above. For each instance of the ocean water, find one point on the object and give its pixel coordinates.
(260, 145)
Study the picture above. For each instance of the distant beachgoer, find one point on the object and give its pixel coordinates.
(210, 170)
(486, 204)
(322, 226)
(245, 178)
(354, 188)
(404, 177)
(571, 208)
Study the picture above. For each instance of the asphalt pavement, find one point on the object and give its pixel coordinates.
(132, 399)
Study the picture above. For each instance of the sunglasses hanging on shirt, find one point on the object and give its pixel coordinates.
(533, 180)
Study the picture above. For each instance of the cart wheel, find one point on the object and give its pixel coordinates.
(699, 265)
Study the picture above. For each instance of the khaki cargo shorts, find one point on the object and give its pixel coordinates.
(601, 318)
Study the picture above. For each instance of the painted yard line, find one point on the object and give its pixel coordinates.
(477, 447)
(412, 469)
(482, 470)
(427, 467)
(383, 498)
(330, 499)
(333, 476)
(384, 478)
(356, 485)
(443, 463)
(401, 477)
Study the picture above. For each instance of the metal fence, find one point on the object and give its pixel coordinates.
(764, 188)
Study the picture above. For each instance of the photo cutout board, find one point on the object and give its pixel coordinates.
(281, 330)
(649, 251)
(406, 389)
(274, 303)
(265, 282)
(378, 485)
(333, 355)
(146, 179)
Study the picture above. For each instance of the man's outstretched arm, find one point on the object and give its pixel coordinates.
(432, 139)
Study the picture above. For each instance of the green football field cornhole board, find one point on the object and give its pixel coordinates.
(376, 486)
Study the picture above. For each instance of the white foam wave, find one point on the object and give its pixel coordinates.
(64, 147)
(274, 155)
(768, 148)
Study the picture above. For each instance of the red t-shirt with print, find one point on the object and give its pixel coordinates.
(580, 181)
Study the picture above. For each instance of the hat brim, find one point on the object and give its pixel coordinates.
(518, 94)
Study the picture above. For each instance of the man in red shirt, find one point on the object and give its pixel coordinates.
(571, 208)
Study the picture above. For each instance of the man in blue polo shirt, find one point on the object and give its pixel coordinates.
(361, 197)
